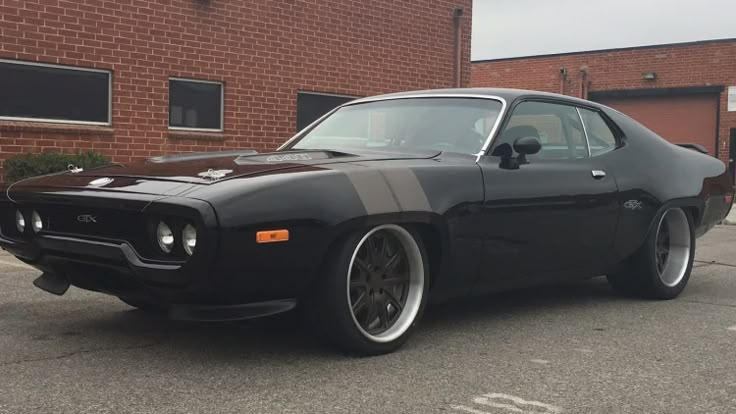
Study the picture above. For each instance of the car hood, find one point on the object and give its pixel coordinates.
(178, 174)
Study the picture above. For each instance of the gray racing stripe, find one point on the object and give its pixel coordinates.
(407, 189)
(386, 191)
(372, 189)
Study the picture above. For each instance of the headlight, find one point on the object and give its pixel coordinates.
(36, 222)
(189, 239)
(20, 221)
(164, 237)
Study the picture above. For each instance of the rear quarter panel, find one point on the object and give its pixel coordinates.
(655, 175)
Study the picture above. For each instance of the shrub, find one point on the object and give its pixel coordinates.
(31, 165)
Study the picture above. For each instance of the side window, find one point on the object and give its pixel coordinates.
(558, 128)
(600, 137)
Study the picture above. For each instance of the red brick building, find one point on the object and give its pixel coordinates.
(680, 91)
(135, 78)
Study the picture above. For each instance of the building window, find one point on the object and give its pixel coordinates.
(52, 93)
(310, 106)
(195, 104)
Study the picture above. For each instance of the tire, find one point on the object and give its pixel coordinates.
(147, 307)
(661, 268)
(373, 290)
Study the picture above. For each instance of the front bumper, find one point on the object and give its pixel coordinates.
(116, 269)
(191, 291)
(111, 256)
(103, 266)
(228, 269)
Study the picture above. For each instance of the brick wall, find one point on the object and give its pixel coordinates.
(263, 50)
(686, 65)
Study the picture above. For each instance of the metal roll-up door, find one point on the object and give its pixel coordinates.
(679, 119)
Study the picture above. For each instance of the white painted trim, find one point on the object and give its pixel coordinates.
(176, 78)
(185, 129)
(53, 65)
(53, 121)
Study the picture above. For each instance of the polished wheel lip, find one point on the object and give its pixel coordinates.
(415, 292)
(672, 247)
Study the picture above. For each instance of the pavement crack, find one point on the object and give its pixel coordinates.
(80, 352)
(725, 305)
(714, 263)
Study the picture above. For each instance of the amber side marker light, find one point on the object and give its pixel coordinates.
(272, 236)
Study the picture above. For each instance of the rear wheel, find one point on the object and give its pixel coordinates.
(373, 290)
(662, 266)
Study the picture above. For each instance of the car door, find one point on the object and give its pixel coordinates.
(553, 216)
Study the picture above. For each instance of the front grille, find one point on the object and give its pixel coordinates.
(99, 222)
(80, 221)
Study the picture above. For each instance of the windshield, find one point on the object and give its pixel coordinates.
(444, 124)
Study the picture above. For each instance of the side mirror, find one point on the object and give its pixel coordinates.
(527, 145)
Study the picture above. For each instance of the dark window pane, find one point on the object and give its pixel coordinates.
(195, 104)
(311, 106)
(40, 92)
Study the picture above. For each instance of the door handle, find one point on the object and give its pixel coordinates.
(598, 174)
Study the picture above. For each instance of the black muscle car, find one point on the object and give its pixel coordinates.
(383, 205)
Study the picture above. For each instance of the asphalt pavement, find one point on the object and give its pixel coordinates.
(575, 348)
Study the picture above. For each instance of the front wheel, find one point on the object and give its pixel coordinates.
(662, 266)
(373, 290)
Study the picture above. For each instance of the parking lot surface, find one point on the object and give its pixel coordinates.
(574, 348)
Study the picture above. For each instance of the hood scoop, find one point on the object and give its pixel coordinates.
(290, 157)
(189, 156)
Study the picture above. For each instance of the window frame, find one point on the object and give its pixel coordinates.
(508, 113)
(545, 100)
(615, 130)
(64, 121)
(193, 129)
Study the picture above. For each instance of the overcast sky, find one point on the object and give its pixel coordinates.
(511, 28)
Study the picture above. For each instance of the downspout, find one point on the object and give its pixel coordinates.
(457, 13)
(583, 81)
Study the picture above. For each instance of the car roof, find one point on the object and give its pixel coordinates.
(508, 95)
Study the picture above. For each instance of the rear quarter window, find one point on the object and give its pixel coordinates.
(600, 136)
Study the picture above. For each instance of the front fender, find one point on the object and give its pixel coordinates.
(319, 205)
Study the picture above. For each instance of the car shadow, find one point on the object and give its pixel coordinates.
(288, 337)
(541, 299)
